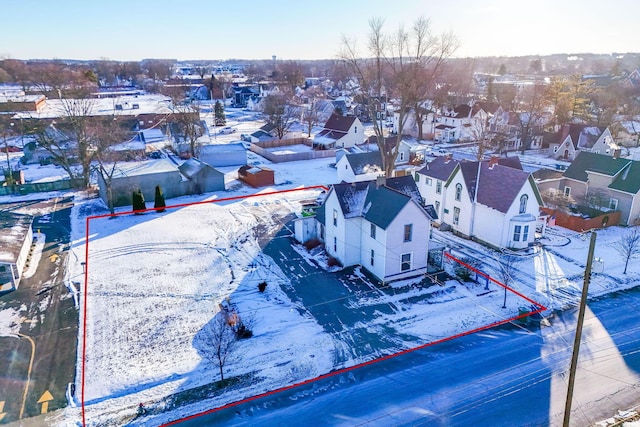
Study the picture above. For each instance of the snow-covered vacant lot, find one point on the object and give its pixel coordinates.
(155, 282)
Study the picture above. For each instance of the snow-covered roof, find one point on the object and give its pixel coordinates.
(13, 231)
(146, 167)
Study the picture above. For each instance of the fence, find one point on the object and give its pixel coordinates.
(578, 223)
(261, 148)
(41, 187)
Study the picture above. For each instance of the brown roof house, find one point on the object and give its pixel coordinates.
(339, 132)
(16, 237)
(485, 201)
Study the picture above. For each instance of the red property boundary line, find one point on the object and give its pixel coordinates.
(539, 308)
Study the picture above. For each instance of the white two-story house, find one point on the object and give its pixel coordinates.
(339, 132)
(375, 226)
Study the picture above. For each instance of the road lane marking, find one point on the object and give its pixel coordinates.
(45, 399)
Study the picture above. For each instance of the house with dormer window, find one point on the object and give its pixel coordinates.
(376, 225)
(575, 137)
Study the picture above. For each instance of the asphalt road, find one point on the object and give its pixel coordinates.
(502, 377)
(49, 321)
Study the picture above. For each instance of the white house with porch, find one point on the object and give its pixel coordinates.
(491, 203)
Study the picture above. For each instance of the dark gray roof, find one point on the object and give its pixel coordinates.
(498, 186)
(406, 185)
(363, 162)
(339, 123)
(378, 204)
(440, 168)
(629, 180)
(545, 174)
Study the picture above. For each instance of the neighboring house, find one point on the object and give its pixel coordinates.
(547, 179)
(377, 227)
(217, 155)
(16, 237)
(411, 123)
(579, 137)
(339, 132)
(461, 123)
(609, 183)
(146, 175)
(358, 167)
(265, 133)
(503, 214)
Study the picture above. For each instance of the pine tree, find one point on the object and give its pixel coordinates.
(220, 119)
(138, 201)
(159, 203)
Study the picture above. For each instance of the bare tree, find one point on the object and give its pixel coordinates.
(530, 110)
(223, 342)
(556, 199)
(398, 67)
(107, 156)
(508, 270)
(628, 246)
(186, 117)
(280, 112)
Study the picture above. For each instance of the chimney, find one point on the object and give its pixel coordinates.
(448, 158)
(616, 153)
(564, 132)
(380, 181)
(493, 161)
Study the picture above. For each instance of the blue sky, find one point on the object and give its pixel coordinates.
(258, 29)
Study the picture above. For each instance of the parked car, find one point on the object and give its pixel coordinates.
(226, 130)
(440, 152)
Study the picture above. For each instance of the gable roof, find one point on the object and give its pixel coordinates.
(406, 185)
(378, 204)
(593, 162)
(629, 180)
(498, 186)
(588, 136)
(362, 163)
(440, 168)
(339, 123)
(193, 167)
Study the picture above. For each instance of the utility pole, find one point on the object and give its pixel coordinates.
(578, 337)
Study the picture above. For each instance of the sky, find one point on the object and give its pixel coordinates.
(257, 29)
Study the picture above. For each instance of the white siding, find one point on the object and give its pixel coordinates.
(417, 247)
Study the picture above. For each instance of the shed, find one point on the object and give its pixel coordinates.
(256, 176)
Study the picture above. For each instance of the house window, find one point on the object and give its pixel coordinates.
(402, 156)
(346, 167)
(417, 177)
(458, 191)
(428, 181)
(373, 231)
(456, 216)
(438, 187)
(525, 233)
(613, 204)
(516, 233)
(408, 231)
(567, 191)
(523, 203)
(355, 129)
(322, 231)
(556, 148)
(406, 262)
(335, 244)
(373, 256)
(438, 208)
(335, 218)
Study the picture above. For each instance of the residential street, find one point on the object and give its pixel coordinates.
(47, 345)
(502, 377)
